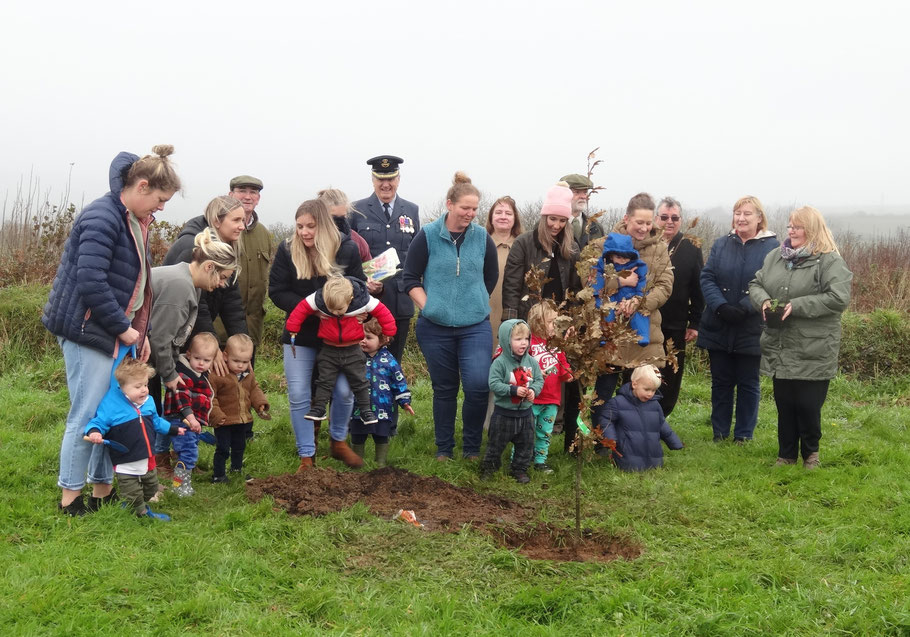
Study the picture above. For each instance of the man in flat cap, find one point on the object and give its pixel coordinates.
(388, 221)
(581, 187)
(256, 243)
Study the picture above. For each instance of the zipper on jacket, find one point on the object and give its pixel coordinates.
(340, 335)
(88, 315)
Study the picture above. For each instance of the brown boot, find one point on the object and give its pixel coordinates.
(781, 462)
(305, 465)
(811, 462)
(315, 441)
(341, 451)
(163, 463)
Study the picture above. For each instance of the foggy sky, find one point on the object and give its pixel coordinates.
(794, 102)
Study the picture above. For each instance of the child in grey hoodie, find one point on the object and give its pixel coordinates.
(515, 380)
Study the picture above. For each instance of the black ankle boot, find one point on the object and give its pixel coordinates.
(76, 508)
(96, 503)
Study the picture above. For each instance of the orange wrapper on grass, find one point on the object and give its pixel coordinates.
(408, 516)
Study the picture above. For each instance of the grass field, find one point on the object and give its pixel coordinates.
(732, 545)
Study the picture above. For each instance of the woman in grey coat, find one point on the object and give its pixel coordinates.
(811, 281)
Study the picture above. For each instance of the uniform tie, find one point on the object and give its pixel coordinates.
(388, 213)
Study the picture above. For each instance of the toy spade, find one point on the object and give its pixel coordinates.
(205, 436)
(113, 444)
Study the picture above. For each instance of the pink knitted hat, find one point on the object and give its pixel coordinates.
(558, 201)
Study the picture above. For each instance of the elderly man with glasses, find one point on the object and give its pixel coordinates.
(682, 312)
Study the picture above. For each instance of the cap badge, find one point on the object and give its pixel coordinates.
(385, 163)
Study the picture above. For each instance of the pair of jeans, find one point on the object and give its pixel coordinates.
(457, 355)
(517, 428)
(230, 442)
(299, 373)
(88, 379)
(734, 373)
(186, 446)
(799, 416)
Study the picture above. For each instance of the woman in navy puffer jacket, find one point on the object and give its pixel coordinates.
(101, 300)
(730, 327)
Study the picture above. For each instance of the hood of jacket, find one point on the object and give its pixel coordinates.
(505, 336)
(361, 301)
(120, 166)
(621, 244)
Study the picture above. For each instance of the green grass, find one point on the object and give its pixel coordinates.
(733, 545)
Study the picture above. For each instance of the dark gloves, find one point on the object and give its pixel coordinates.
(732, 314)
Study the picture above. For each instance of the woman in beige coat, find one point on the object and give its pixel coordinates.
(503, 224)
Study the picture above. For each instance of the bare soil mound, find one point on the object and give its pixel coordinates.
(439, 506)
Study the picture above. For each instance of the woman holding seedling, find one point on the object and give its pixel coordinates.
(810, 278)
(730, 326)
(100, 301)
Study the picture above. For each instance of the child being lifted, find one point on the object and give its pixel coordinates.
(342, 304)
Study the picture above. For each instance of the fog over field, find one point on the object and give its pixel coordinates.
(794, 102)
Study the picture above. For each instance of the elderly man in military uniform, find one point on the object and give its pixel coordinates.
(256, 246)
(388, 221)
(583, 231)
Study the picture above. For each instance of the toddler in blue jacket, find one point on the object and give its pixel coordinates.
(127, 420)
(634, 419)
(619, 251)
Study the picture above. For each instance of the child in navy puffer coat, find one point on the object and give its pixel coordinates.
(634, 419)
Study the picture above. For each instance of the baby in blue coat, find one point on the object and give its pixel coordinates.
(634, 419)
(618, 250)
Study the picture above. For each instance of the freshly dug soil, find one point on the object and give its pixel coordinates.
(439, 506)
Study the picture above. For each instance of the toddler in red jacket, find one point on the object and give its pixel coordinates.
(555, 370)
(342, 305)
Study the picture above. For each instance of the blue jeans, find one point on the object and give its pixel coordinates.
(186, 446)
(88, 378)
(734, 373)
(457, 355)
(299, 373)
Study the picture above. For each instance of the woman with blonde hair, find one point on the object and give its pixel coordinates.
(302, 265)
(224, 219)
(810, 279)
(503, 225)
(340, 207)
(100, 304)
(730, 327)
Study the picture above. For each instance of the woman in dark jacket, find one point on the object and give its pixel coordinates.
(547, 246)
(100, 300)
(812, 282)
(301, 266)
(730, 327)
(224, 215)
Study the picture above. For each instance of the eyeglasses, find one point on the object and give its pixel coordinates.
(673, 218)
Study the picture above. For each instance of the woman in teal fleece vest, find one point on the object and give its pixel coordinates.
(450, 272)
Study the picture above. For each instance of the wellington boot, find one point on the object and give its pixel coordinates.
(163, 464)
(341, 451)
(359, 449)
(382, 454)
(316, 427)
(305, 465)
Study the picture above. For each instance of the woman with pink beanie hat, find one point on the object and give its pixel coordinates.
(547, 246)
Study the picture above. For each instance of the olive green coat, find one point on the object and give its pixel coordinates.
(807, 344)
(255, 258)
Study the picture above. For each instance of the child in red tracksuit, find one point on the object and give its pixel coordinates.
(342, 304)
(555, 370)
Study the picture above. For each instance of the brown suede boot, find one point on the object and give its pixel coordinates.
(341, 451)
(305, 464)
(811, 462)
(163, 464)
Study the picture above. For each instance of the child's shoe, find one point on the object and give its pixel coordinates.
(316, 413)
(368, 417)
(220, 480)
(521, 477)
(246, 477)
(543, 467)
(164, 517)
